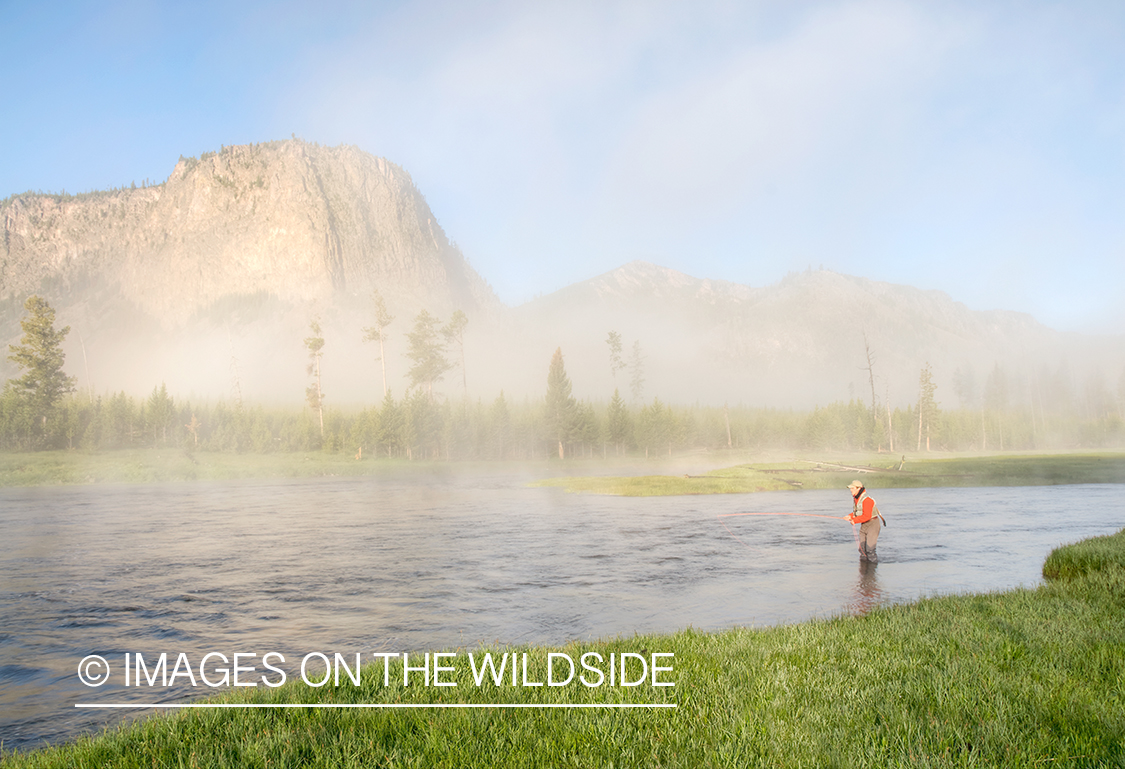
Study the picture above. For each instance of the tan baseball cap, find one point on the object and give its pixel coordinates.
(855, 485)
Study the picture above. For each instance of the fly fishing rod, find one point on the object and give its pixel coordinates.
(721, 516)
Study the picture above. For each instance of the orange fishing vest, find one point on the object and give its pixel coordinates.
(858, 516)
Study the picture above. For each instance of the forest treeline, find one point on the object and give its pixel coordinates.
(417, 427)
(43, 410)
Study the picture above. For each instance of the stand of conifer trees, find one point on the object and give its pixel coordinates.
(420, 428)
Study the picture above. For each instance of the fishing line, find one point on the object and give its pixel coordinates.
(721, 516)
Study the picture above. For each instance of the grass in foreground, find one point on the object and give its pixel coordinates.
(1085, 557)
(878, 472)
(1028, 678)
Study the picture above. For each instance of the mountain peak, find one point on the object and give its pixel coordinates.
(644, 281)
(300, 221)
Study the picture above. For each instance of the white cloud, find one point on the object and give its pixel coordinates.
(774, 111)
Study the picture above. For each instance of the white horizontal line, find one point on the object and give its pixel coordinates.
(380, 705)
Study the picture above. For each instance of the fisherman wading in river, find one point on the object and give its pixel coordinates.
(866, 513)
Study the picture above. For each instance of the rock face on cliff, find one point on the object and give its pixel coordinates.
(209, 281)
(297, 221)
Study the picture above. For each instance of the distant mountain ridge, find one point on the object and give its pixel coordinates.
(209, 282)
(801, 340)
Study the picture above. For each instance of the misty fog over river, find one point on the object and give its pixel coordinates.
(412, 562)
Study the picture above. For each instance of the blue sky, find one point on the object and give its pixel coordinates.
(977, 148)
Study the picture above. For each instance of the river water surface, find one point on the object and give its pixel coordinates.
(455, 560)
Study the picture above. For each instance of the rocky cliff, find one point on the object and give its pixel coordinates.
(297, 221)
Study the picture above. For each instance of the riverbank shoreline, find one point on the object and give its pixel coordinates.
(1015, 678)
(694, 473)
(144, 466)
(877, 471)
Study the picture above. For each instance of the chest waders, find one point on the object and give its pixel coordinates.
(869, 529)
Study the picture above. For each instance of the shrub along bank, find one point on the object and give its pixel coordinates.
(1026, 678)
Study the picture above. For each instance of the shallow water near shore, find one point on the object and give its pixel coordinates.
(457, 560)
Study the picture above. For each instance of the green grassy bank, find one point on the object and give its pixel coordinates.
(1027, 678)
(44, 468)
(48, 468)
(878, 472)
(63, 467)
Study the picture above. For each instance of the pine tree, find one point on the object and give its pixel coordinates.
(996, 399)
(616, 362)
(40, 355)
(161, 411)
(617, 421)
(313, 392)
(454, 332)
(656, 426)
(561, 406)
(586, 427)
(423, 426)
(391, 426)
(637, 378)
(927, 406)
(501, 423)
(427, 352)
(377, 333)
(876, 430)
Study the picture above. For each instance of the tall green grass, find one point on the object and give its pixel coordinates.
(1090, 555)
(1026, 678)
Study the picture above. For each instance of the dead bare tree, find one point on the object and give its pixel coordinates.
(869, 355)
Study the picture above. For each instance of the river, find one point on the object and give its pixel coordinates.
(456, 559)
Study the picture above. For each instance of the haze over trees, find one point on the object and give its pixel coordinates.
(308, 234)
(427, 353)
(272, 230)
(425, 423)
(879, 430)
(616, 362)
(637, 373)
(313, 393)
(1015, 410)
(996, 401)
(414, 427)
(454, 332)
(927, 406)
(161, 415)
(617, 423)
(378, 333)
